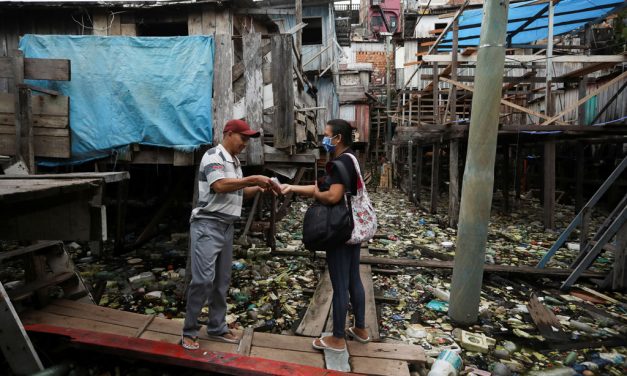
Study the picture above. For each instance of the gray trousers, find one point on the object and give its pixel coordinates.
(212, 257)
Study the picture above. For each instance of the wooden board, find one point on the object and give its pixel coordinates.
(372, 323)
(298, 357)
(38, 69)
(222, 85)
(314, 319)
(283, 92)
(41, 104)
(546, 321)
(555, 272)
(253, 96)
(44, 146)
(14, 190)
(380, 350)
(372, 366)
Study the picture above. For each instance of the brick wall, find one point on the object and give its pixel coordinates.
(378, 63)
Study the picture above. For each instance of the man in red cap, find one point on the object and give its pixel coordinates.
(221, 190)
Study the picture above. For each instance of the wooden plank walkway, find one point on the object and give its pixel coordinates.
(319, 315)
(371, 358)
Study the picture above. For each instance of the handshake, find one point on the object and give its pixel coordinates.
(265, 183)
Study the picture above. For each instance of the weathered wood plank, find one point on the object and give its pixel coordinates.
(309, 359)
(546, 321)
(194, 22)
(246, 342)
(38, 69)
(222, 85)
(253, 96)
(41, 105)
(314, 319)
(26, 129)
(381, 367)
(100, 22)
(282, 91)
(208, 19)
(37, 131)
(439, 264)
(372, 323)
(44, 146)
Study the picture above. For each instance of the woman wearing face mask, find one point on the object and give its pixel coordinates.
(343, 261)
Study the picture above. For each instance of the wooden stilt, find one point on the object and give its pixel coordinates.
(418, 172)
(453, 188)
(435, 177)
(549, 184)
(410, 173)
(579, 173)
(506, 178)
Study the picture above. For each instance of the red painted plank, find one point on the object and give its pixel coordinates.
(168, 353)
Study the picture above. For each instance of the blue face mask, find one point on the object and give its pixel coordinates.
(328, 146)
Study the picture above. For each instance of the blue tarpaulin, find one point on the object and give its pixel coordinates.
(125, 90)
(569, 15)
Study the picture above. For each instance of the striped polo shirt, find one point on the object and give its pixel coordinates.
(218, 164)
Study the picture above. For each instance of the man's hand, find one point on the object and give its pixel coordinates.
(260, 181)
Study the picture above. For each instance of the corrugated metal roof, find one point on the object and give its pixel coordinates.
(569, 15)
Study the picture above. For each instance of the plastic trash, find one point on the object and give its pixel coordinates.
(561, 371)
(448, 363)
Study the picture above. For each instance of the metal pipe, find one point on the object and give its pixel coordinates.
(478, 182)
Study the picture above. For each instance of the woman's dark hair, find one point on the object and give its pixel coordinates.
(343, 128)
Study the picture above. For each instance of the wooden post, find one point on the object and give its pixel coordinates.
(581, 114)
(403, 111)
(506, 176)
(410, 164)
(418, 172)
(283, 92)
(619, 273)
(254, 96)
(25, 116)
(435, 177)
(271, 240)
(18, 79)
(222, 85)
(122, 195)
(436, 94)
(377, 144)
(453, 91)
(585, 228)
(298, 18)
(579, 175)
(549, 184)
(410, 116)
(519, 170)
(453, 187)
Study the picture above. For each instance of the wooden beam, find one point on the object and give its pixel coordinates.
(282, 92)
(503, 101)
(265, 11)
(222, 85)
(597, 91)
(527, 59)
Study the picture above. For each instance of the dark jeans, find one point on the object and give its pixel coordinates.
(343, 264)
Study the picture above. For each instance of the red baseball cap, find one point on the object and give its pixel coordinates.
(240, 126)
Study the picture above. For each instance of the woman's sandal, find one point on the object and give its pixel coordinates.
(194, 346)
(351, 333)
(325, 346)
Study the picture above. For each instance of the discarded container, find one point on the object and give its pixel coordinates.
(448, 363)
(440, 294)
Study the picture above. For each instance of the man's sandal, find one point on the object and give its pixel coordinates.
(193, 346)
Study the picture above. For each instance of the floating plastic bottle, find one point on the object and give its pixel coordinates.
(448, 363)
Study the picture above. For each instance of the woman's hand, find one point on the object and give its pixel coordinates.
(286, 188)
